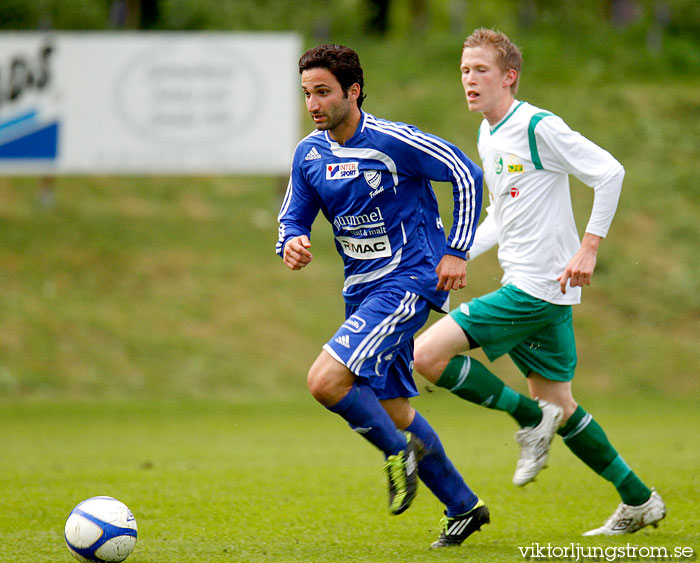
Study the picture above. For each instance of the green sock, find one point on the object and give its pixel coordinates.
(469, 379)
(587, 440)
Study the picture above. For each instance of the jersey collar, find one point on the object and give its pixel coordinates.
(360, 129)
(513, 108)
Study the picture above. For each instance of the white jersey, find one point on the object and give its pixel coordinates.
(527, 158)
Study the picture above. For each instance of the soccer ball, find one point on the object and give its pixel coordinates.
(101, 529)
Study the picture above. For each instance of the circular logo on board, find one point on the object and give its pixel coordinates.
(187, 93)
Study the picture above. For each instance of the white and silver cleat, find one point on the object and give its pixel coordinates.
(627, 518)
(535, 442)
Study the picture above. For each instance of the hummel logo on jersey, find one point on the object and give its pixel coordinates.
(343, 340)
(313, 154)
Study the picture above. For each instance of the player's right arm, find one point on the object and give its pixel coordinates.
(299, 209)
(296, 253)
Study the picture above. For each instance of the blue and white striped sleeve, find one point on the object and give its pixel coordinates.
(467, 180)
(298, 211)
(440, 160)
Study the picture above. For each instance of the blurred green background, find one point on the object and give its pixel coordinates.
(168, 287)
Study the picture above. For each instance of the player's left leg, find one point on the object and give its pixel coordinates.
(640, 505)
(464, 512)
(498, 322)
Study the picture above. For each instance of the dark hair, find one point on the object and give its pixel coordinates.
(341, 61)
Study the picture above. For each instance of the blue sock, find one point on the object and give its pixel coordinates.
(438, 473)
(365, 415)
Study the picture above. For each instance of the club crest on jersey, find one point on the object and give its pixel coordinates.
(498, 163)
(373, 178)
(342, 170)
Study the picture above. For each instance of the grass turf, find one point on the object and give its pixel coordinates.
(287, 481)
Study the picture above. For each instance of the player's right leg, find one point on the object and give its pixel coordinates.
(438, 359)
(354, 367)
(499, 322)
(641, 506)
(340, 391)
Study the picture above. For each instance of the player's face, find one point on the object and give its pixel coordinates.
(330, 107)
(486, 86)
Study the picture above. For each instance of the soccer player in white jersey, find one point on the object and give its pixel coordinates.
(371, 180)
(527, 156)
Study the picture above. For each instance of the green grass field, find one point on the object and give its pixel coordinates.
(153, 347)
(287, 481)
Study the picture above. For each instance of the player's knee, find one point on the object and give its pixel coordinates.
(562, 399)
(317, 384)
(328, 381)
(400, 411)
(569, 406)
(427, 362)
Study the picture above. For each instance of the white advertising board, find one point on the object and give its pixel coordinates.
(148, 103)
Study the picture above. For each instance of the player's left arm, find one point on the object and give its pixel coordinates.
(439, 160)
(595, 167)
(467, 186)
(579, 270)
(452, 272)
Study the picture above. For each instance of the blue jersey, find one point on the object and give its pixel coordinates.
(375, 191)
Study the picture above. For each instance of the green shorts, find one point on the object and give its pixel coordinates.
(537, 335)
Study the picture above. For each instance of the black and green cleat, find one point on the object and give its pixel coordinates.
(456, 530)
(402, 470)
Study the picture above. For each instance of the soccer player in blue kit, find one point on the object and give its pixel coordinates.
(371, 180)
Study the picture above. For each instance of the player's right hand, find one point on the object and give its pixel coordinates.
(296, 254)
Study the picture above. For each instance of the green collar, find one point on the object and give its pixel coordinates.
(506, 118)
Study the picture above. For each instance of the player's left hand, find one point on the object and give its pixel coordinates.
(452, 273)
(579, 270)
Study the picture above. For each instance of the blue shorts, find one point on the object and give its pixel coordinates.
(376, 341)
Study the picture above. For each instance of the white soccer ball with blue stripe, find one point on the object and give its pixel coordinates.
(101, 529)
